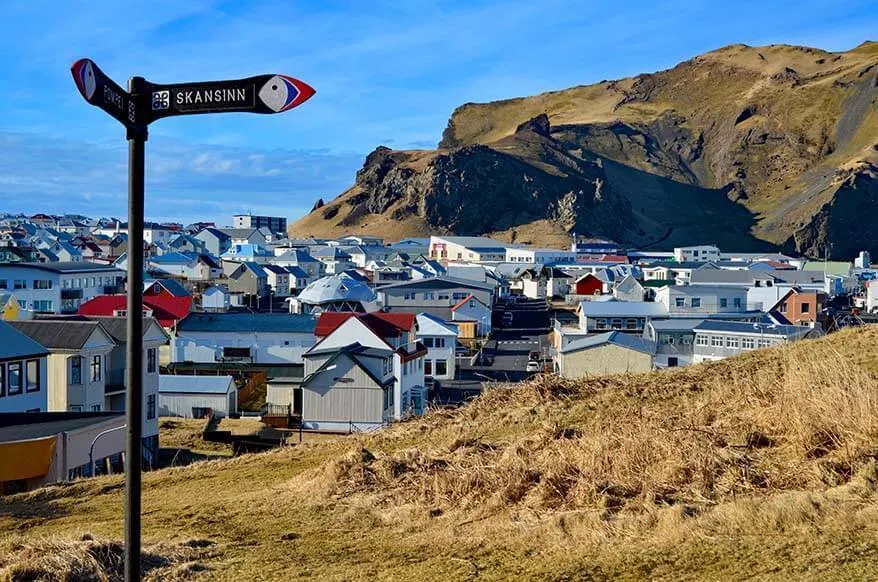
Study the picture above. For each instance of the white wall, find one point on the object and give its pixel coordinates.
(266, 348)
(27, 400)
(181, 404)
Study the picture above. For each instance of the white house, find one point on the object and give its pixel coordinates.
(440, 339)
(196, 396)
(392, 339)
(58, 287)
(697, 254)
(278, 280)
(216, 298)
(539, 256)
(473, 317)
(468, 249)
(77, 363)
(704, 299)
(23, 372)
(248, 338)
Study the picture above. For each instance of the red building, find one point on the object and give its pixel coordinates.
(588, 284)
(165, 299)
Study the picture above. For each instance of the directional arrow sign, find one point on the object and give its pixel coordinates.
(101, 91)
(260, 94)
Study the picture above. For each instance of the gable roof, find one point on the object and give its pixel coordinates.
(622, 309)
(195, 384)
(384, 325)
(16, 344)
(432, 325)
(60, 335)
(354, 352)
(167, 310)
(446, 282)
(618, 338)
(172, 286)
(220, 235)
(465, 300)
(172, 258)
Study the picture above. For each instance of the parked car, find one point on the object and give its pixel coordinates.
(534, 356)
(533, 366)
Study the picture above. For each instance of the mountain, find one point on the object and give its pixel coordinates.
(764, 464)
(746, 147)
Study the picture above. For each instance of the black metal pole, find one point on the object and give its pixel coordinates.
(134, 358)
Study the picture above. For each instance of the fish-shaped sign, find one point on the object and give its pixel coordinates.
(259, 94)
(101, 91)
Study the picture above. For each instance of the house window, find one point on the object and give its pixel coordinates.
(75, 370)
(441, 367)
(42, 284)
(616, 323)
(14, 378)
(32, 374)
(3, 284)
(696, 302)
(458, 296)
(716, 341)
(409, 296)
(42, 305)
(387, 365)
(96, 369)
(444, 297)
(472, 303)
(601, 323)
(439, 342)
(747, 343)
(230, 352)
(420, 364)
(806, 307)
(764, 343)
(150, 406)
(428, 342)
(2, 380)
(672, 362)
(630, 324)
(75, 408)
(687, 341)
(428, 367)
(150, 360)
(701, 340)
(429, 296)
(96, 408)
(723, 302)
(732, 342)
(388, 398)
(20, 284)
(736, 302)
(680, 302)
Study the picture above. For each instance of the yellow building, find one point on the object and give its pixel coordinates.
(606, 353)
(9, 307)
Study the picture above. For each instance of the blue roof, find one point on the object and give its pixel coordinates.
(249, 322)
(196, 384)
(15, 344)
(625, 340)
(297, 272)
(171, 258)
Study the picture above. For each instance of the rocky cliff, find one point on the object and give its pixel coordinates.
(747, 147)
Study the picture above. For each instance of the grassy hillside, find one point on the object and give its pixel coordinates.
(763, 465)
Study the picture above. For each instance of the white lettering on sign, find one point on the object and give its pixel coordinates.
(203, 96)
(111, 96)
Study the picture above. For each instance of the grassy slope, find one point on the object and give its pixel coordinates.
(620, 477)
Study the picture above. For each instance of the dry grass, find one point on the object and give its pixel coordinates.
(764, 464)
(88, 559)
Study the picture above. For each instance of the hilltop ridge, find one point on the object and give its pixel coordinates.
(773, 146)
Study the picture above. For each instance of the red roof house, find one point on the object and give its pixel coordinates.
(169, 302)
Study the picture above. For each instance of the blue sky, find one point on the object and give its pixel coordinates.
(386, 72)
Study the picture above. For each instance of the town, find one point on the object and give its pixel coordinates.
(352, 334)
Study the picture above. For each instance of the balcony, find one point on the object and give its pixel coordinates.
(71, 294)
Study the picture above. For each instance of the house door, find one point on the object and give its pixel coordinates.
(297, 401)
(672, 362)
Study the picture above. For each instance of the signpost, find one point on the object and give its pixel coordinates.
(142, 104)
